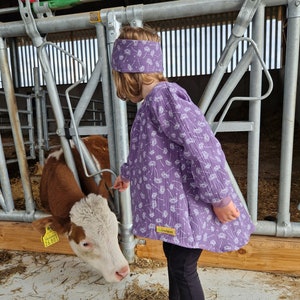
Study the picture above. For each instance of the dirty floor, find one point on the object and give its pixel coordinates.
(53, 277)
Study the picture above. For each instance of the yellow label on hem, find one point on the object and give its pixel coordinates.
(50, 237)
(166, 230)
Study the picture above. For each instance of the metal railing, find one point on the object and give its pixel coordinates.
(197, 44)
(25, 112)
(106, 24)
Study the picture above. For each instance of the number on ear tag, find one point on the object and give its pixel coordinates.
(50, 237)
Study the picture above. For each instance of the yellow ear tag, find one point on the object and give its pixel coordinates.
(50, 237)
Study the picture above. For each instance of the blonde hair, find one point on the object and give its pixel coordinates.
(129, 85)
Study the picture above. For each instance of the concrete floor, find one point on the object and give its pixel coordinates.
(54, 277)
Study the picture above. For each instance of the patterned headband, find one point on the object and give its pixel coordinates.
(137, 56)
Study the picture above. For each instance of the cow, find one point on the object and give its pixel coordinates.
(83, 213)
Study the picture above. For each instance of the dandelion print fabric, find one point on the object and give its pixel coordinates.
(176, 169)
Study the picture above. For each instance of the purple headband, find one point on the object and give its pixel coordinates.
(136, 56)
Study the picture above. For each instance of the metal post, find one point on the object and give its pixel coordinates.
(288, 117)
(39, 117)
(16, 128)
(121, 144)
(6, 201)
(107, 99)
(254, 116)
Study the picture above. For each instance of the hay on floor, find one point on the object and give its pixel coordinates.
(150, 292)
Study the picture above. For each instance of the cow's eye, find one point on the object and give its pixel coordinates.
(86, 245)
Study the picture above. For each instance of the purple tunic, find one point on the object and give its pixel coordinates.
(176, 169)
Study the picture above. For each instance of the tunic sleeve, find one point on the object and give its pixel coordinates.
(184, 124)
(125, 174)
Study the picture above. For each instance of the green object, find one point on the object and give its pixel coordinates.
(59, 4)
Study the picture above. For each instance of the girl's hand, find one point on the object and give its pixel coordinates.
(120, 184)
(227, 213)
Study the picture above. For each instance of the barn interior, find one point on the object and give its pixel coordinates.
(275, 207)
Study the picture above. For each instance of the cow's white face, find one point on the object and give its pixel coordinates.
(93, 236)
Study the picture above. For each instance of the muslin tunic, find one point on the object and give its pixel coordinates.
(176, 169)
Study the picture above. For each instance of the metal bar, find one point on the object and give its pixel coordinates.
(151, 12)
(244, 18)
(229, 85)
(48, 25)
(16, 129)
(272, 229)
(189, 8)
(21, 216)
(56, 106)
(8, 202)
(39, 118)
(88, 93)
(233, 126)
(30, 128)
(106, 93)
(9, 10)
(121, 140)
(90, 130)
(288, 117)
(45, 120)
(254, 116)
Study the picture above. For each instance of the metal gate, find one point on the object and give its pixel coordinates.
(214, 102)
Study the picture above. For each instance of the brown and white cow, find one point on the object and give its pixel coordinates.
(83, 213)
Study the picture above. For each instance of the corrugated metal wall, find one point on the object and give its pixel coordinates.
(190, 46)
(194, 46)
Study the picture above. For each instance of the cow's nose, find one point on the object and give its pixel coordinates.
(123, 272)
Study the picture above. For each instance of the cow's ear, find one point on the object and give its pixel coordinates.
(76, 233)
(57, 224)
(41, 224)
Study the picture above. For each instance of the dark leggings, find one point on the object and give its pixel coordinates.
(184, 283)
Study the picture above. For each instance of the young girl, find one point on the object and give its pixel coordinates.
(181, 193)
